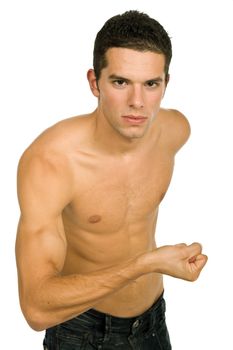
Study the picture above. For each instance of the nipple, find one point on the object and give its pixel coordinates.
(94, 219)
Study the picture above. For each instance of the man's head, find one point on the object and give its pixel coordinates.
(132, 30)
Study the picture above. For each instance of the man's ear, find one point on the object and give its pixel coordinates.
(167, 79)
(93, 82)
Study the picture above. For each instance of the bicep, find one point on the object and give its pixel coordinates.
(40, 253)
(41, 243)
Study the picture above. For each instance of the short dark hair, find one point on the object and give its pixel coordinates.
(133, 30)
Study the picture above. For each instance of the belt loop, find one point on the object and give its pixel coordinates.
(107, 328)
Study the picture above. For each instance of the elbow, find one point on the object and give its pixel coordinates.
(36, 319)
(36, 326)
(36, 311)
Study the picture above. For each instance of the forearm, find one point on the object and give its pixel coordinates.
(59, 298)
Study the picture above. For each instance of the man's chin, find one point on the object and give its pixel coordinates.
(136, 131)
(133, 135)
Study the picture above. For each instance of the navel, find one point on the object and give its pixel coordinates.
(94, 219)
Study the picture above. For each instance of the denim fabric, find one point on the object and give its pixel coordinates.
(95, 330)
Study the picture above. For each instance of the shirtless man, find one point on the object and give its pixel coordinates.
(89, 191)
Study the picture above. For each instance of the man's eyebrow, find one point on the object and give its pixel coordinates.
(157, 79)
(118, 77)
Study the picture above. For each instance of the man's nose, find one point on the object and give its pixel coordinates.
(136, 99)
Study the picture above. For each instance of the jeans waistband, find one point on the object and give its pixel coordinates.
(121, 324)
(96, 327)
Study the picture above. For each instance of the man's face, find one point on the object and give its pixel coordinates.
(131, 88)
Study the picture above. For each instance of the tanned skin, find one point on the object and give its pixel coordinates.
(89, 191)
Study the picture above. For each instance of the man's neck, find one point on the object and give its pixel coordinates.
(112, 142)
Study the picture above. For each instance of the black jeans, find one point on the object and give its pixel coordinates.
(95, 330)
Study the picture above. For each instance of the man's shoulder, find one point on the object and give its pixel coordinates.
(63, 132)
(175, 127)
(60, 136)
(54, 146)
(175, 118)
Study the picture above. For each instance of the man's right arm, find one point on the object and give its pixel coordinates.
(47, 297)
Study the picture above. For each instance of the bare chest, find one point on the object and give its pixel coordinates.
(111, 195)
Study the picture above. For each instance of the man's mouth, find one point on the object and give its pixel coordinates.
(134, 119)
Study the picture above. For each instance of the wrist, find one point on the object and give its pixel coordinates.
(147, 263)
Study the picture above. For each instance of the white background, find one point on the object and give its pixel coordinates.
(46, 49)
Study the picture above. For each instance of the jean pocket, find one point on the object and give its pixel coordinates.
(71, 341)
(158, 332)
(162, 335)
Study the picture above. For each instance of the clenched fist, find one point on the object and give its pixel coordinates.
(180, 260)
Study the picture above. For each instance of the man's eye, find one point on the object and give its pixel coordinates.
(119, 82)
(152, 83)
